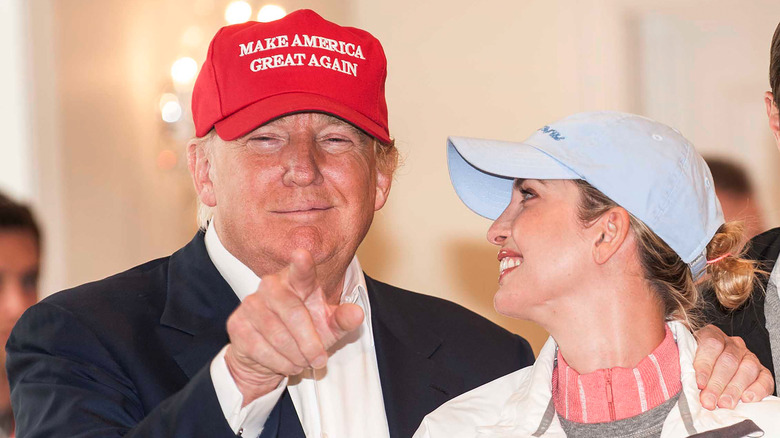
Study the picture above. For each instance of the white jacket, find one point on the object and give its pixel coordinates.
(520, 405)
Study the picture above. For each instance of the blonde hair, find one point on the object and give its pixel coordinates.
(386, 154)
(731, 278)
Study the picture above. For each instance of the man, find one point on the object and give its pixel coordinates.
(292, 158)
(20, 249)
(758, 322)
(736, 195)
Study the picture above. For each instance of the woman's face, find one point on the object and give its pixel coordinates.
(543, 252)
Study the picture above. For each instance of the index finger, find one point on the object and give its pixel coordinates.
(303, 273)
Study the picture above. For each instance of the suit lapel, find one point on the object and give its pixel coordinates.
(413, 382)
(199, 302)
(197, 306)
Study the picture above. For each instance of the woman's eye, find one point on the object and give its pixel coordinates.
(526, 194)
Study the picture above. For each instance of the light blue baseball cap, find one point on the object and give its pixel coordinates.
(646, 167)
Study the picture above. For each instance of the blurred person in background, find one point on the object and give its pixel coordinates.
(20, 253)
(758, 321)
(736, 195)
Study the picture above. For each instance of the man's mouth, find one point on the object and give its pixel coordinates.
(303, 208)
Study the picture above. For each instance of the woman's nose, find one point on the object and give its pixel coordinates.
(500, 229)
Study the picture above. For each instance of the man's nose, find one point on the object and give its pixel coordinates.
(302, 159)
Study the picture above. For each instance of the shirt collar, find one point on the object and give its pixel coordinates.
(526, 407)
(244, 281)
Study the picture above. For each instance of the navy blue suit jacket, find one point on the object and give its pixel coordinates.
(749, 321)
(129, 355)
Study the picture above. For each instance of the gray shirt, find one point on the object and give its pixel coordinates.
(772, 315)
(645, 425)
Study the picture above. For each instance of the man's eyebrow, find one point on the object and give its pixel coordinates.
(337, 121)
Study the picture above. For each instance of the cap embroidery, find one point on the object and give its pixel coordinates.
(555, 135)
(300, 59)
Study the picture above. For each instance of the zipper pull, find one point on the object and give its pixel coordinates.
(610, 401)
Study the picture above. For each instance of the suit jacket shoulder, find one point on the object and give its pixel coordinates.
(134, 298)
(450, 321)
(127, 355)
(430, 350)
(765, 248)
(749, 321)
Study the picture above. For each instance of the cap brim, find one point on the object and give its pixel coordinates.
(482, 171)
(263, 111)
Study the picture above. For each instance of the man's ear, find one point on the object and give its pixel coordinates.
(198, 161)
(611, 230)
(383, 183)
(773, 114)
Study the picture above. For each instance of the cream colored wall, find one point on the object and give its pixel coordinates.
(501, 69)
(483, 69)
(15, 172)
(100, 69)
(492, 69)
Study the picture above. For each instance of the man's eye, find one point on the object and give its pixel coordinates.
(30, 282)
(337, 140)
(336, 143)
(263, 138)
(264, 143)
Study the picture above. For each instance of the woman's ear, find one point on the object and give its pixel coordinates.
(612, 229)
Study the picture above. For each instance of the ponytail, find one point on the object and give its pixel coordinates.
(729, 274)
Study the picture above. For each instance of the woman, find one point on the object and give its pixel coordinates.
(612, 220)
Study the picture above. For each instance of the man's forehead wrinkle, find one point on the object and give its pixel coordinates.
(332, 120)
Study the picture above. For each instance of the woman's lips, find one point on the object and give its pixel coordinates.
(508, 261)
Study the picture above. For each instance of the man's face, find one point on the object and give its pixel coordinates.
(19, 262)
(302, 181)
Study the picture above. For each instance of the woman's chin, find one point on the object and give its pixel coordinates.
(509, 305)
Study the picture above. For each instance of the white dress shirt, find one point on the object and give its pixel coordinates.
(341, 400)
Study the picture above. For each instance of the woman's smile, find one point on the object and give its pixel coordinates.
(508, 261)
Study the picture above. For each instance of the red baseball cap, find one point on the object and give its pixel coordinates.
(256, 72)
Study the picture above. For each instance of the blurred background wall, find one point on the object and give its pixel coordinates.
(88, 84)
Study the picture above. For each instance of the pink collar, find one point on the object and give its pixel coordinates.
(618, 393)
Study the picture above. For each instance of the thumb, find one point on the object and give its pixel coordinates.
(345, 318)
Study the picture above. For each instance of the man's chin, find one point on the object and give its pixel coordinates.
(308, 237)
